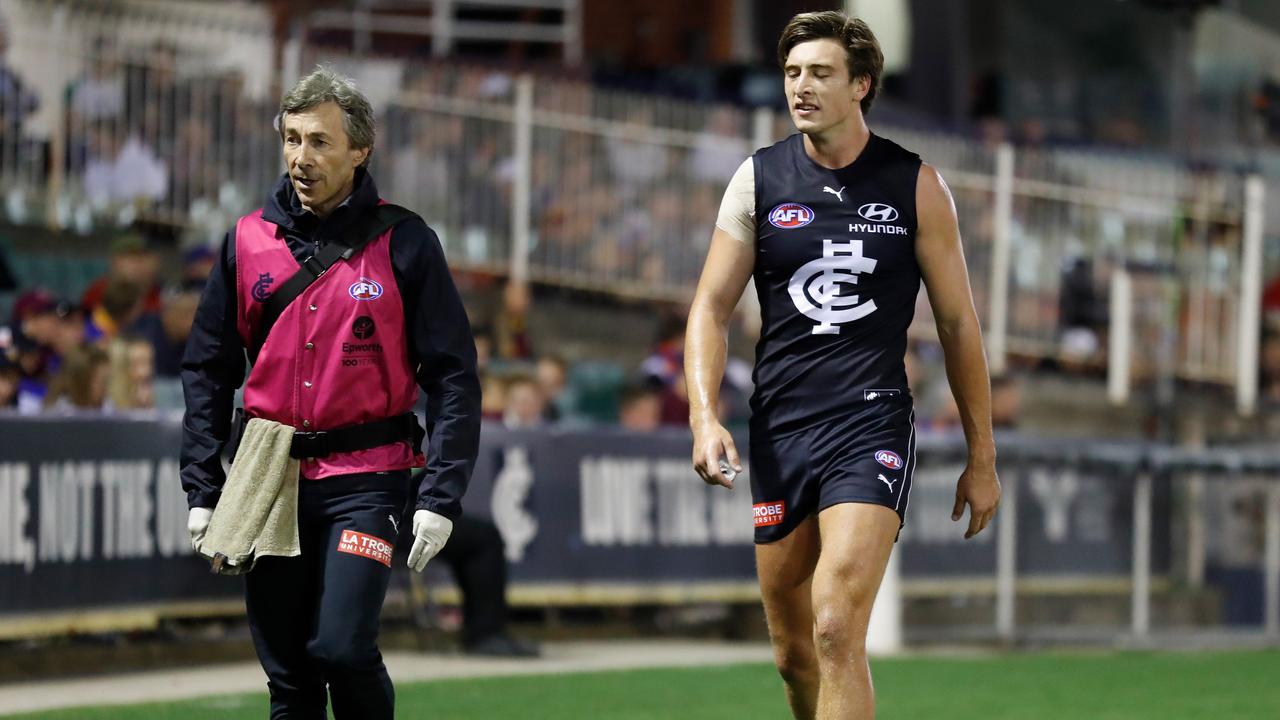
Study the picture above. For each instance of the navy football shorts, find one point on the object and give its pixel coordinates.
(866, 457)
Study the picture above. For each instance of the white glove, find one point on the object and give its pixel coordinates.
(197, 524)
(430, 533)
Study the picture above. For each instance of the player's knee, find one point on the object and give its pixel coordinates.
(795, 661)
(839, 632)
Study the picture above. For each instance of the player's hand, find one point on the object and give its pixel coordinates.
(430, 532)
(979, 488)
(198, 524)
(710, 443)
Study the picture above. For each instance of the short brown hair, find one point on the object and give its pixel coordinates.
(861, 49)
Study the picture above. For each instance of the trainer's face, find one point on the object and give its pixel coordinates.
(319, 158)
(820, 93)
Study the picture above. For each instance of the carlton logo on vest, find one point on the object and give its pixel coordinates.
(816, 287)
(262, 288)
(789, 216)
(365, 289)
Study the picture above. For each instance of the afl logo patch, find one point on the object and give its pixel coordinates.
(365, 289)
(878, 212)
(790, 215)
(889, 459)
(262, 288)
(363, 327)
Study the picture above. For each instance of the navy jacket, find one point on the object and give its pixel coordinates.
(439, 339)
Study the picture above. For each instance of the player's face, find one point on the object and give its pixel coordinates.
(820, 93)
(319, 158)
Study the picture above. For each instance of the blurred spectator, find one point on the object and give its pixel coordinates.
(123, 174)
(524, 403)
(635, 163)
(665, 369)
(99, 93)
(133, 260)
(130, 385)
(476, 555)
(195, 172)
(17, 101)
(122, 306)
(422, 170)
(34, 340)
(552, 372)
(10, 375)
(81, 381)
(511, 326)
(1269, 366)
(1082, 315)
(719, 149)
(640, 408)
(197, 265)
(174, 329)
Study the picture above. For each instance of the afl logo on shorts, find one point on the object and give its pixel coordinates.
(889, 459)
(365, 289)
(790, 215)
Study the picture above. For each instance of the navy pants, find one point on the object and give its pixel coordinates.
(314, 618)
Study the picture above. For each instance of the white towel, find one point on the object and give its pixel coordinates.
(258, 512)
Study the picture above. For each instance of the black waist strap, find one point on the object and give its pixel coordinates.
(358, 437)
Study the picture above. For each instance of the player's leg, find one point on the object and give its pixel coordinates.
(363, 512)
(856, 541)
(785, 568)
(786, 534)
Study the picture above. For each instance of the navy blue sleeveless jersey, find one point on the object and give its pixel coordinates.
(837, 278)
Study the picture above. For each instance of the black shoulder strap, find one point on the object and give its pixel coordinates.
(383, 218)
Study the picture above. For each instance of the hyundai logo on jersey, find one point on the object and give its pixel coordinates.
(365, 289)
(878, 212)
(889, 459)
(790, 215)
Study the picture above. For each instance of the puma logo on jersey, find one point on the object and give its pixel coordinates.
(887, 481)
(837, 193)
(394, 523)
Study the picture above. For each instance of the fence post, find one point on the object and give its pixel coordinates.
(522, 181)
(1141, 607)
(1001, 247)
(1120, 337)
(572, 24)
(441, 28)
(1250, 297)
(1271, 572)
(1007, 560)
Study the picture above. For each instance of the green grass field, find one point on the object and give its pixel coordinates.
(1218, 686)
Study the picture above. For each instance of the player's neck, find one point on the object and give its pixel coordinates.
(838, 146)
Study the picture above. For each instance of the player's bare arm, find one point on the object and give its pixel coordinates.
(724, 276)
(946, 279)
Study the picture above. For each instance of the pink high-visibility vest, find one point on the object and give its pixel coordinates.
(336, 356)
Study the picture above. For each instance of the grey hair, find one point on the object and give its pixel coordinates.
(323, 85)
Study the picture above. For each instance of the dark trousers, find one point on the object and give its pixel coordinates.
(314, 618)
(476, 556)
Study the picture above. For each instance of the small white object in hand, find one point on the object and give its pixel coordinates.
(727, 470)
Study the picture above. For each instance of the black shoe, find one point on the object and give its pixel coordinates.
(502, 645)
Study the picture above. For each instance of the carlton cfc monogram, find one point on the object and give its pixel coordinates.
(816, 290)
